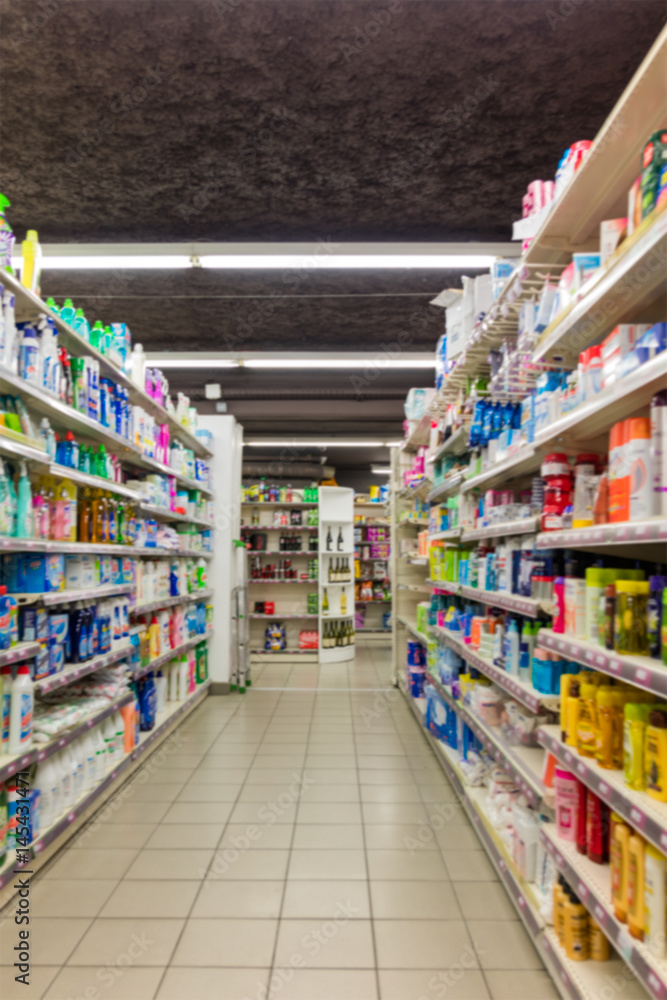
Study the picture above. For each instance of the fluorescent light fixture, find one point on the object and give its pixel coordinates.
(346, 262)
(191, 363)
(379, 470)
(103, 263)
(286, 443)
(352, 362)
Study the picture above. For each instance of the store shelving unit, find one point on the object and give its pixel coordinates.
(69, 822)
(289, 604)
(336, 516)
(371, 514)
(631, 285)
(40, 402)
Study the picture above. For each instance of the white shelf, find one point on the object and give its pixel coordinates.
(630, 533)
(525, 764)
(456, 444)
(442, 536)
(170, 602)
(419, 435)
(584, 322)
(67, 596)
(592, 884)
(644, 814)
(643, 672)
(30, 305)
(526, 526)
(521, 691)
(447, 486)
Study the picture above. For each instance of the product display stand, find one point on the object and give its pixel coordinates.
(368, 517)
(631, 284)
(336, 543)
(290, 597)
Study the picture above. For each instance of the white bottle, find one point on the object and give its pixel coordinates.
(161, 692)
(138, 366)
(641, 471)
(7, 682)
(62, 763)
(119, 749)
(514, 645)
(76, 770)
(109, 733)
(89, 762)
(654, 900)
(163, 622)
(48, 782)
(22, 706)
(183, 671)
(100, 753)
(171, 681)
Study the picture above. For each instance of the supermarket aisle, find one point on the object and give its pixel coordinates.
(275, 844)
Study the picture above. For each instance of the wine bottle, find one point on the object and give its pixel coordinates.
(325, 602)
(343, 602)
(329, 540)
(339, 543)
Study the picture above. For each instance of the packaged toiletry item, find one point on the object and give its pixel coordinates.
(565, 785)
(597, 829)
(655, 759)
(21, 712)
(606, 709)
(631, 621)
(619, 859)
(586, 727)
(636, 846)
(572, 710)
(580, 836)
(599, 947)
(655, 899)
(31, 263)
(576, 928)
(634, 740)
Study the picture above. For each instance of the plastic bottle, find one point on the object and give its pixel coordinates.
(138, 368)
(161, 691)
(597, 829)
(636, 886)
(147, 703)
(640, 470)
(109, 733)
(655, 755)
(100, 753)
(618, 857)
(655, 898)
(119, 725)
(31, 265)
(599, 947)
(7, 682)
(22, 706)
(634, 740)
(183, 677)
(48, 437)
(658, 455)
(572, 713)
(47, 780)
(565, 785)
(24, 521)
(28, 356)
(576, 928)
(605, 709)
(89, 748)
(513, 641)
(586, 727)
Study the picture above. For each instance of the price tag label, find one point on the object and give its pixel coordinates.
(637, 818)
(603, 789)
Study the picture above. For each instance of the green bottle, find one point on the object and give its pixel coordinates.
(53, 305)
(68, 312)
(97, 334)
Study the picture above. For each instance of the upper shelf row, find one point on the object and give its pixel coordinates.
(28, 305)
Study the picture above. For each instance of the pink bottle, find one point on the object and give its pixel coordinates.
(559, 602)
(567, 798)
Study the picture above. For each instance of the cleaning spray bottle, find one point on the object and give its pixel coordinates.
(24, 520)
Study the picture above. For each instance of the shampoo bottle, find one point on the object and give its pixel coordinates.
(22, 704)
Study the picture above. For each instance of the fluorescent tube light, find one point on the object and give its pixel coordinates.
(322, 444)
(379, 470)
(92, 262)
(361, 362)
(191, 363)
(340, 261)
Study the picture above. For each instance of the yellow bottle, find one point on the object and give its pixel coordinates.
(559, 909)
(605, 707)
(618, 858)
(576, 928)
(599, 948)
(566, 682)
(655, 755)
(154, 647)
(32, 261)
(634, 742)
(587, 723)
(343, 602)
(636, 847)
(619, 698)
(572, 715)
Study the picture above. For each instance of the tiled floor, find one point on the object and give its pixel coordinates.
(272, 850)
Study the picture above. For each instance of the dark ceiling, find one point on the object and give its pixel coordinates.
(285, 120)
